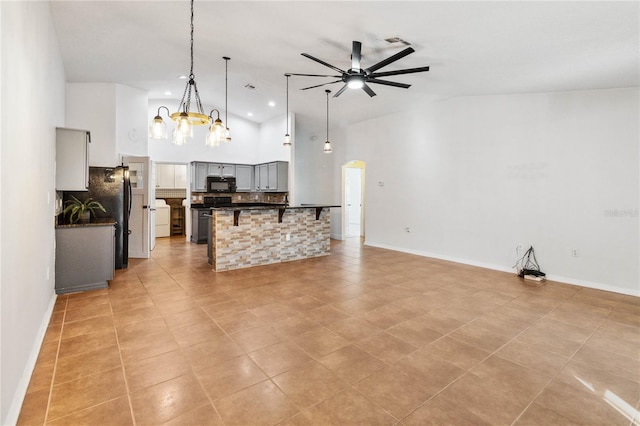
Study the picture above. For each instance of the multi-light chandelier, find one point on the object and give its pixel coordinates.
(186, 117)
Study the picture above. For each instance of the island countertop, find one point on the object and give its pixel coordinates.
(251, 206)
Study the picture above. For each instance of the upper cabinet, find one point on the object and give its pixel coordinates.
(171, 176)
(244, 177)
(72, 159)
(273, 177)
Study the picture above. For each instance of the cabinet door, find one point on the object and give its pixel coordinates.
(214, 169)
(228, 170)
(264, 177)
(243, 177)
(180, 176)
(165, 176)
(72, 159)
(256, 178)
(198, 177)
(273, 177)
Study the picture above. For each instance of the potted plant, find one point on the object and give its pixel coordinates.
(81, 210)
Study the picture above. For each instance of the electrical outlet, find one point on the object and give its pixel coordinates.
(575, 252)
(407, 230)
(287, 237)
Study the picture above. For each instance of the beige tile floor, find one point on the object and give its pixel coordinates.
(363, 336)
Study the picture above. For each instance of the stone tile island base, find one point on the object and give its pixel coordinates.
(268, 235)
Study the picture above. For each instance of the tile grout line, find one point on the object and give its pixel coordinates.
(122, 368)
(563, 365)
(55, 364)
(487, 357)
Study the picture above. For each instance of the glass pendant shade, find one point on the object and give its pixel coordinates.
(327, 147)
(179, 138)
(287, 140)
(158, 128)
(184, 124)
(215, 135)
(227, 135)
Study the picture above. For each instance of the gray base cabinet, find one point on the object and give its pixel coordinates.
(199, 224)
(85, 257)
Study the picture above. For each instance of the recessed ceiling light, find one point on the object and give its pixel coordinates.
(167, 93)
(183, 77)
(250, 114)
(272, 104)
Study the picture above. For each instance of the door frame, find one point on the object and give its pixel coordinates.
(354, 164)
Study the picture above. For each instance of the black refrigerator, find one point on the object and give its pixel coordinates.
(110, 186)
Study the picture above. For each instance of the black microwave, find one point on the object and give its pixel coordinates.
(221, 184)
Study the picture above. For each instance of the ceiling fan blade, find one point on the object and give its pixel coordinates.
(368, 90)
(355, 55)
(390, 59)
(320, 61)
(388, 83)
(316, 75)
(398, 72)
(318, 85)
(339, 92)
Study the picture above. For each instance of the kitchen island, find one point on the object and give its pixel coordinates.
(246, 236)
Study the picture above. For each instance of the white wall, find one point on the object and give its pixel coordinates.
(272, 134)
(131, 121)
(243, 148)
(92, 106)
(116, 116)
(32, 92)
(474, 177)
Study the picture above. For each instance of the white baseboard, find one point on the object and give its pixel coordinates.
(23, 385)
(557, 278)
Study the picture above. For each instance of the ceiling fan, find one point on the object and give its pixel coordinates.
(356, 77)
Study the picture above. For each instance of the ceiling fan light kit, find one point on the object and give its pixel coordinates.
(358, 78)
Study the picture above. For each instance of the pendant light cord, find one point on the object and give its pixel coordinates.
(328, 91)
(287, 75)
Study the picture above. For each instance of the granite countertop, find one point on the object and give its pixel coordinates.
(274, 206)
(94, 222)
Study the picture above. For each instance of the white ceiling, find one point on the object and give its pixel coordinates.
(473, 48)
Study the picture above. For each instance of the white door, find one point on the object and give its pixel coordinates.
(353, 198)
(140, 220)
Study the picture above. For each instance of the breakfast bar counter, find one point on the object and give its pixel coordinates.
(253, 235)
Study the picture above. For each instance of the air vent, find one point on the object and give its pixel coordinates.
(392, 40)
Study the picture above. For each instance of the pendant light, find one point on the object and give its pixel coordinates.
(216, 133)
(327, 144)
(185, 118)
(227, 132)
(287, 136)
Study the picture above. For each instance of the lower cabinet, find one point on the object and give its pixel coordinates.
(85, 257)
(199, 222)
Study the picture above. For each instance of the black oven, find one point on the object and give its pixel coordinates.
(221, 184)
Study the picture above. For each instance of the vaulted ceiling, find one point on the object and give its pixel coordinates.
(473, 48)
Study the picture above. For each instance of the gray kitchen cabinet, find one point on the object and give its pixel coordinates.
(256, 178)
(272, 177)
(244, 174)
(223, 170)
(199, 173)
(199, 222)
(72, 159)
(85, 257)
